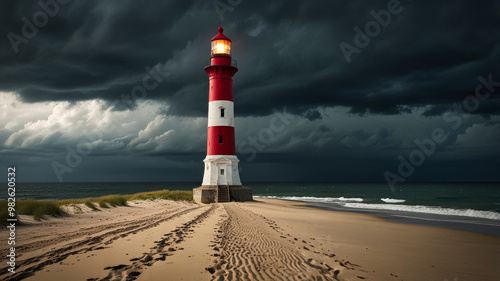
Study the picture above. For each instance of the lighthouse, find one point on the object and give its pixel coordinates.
(221, 179)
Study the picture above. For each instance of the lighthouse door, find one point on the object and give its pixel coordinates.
(222, 176)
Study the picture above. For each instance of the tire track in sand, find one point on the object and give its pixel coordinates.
(252, 249)
(88, 231)
(28, 267)
(166, 246)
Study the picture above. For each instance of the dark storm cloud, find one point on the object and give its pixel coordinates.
(312, 115)
(351, 119)
(429, 54)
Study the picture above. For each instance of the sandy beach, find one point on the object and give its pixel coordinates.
(262, 240)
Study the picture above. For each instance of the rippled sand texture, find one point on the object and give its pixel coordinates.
(262, 240)
(255, 248)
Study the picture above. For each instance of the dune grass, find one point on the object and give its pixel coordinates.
(4, 212)
(176, 195)
(40, 208)
(91, 205)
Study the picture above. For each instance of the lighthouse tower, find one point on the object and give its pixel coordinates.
(221, 180)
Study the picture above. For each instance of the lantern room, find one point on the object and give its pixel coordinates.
(221, 45)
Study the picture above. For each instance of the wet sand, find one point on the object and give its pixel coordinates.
(262, 240)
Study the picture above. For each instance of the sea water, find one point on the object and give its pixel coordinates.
(471, 199)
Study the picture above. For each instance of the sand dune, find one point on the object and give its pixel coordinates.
(262, 240)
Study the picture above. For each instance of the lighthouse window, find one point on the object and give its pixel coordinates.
(222, 112)
(221, 140)
(222, 171)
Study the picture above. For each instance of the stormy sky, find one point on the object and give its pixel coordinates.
(340, 91)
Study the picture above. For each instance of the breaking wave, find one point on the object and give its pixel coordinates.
(427, 210)
(390, 200)
(356, 203)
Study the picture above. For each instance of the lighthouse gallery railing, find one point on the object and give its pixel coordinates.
(208, 62)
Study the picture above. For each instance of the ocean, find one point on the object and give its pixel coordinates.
(467, 206)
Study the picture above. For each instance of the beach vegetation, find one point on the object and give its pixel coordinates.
(102, 204)
(40, 208)
(176, 195)
(4, 212)
(91, 205)
(113, 200)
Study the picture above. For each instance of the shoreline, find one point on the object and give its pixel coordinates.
(267, 239)
(470, 224)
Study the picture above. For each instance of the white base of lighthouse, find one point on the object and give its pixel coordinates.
(221, 170)
(221, 181)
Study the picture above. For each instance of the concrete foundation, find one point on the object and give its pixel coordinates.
(207, 193)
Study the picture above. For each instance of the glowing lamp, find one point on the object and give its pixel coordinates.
(221, 45)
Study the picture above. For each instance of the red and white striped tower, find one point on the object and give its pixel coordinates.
(221, 164)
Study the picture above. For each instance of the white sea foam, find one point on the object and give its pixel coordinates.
(348, 202)
(390, 200)
(428, 210)
(314, 199)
